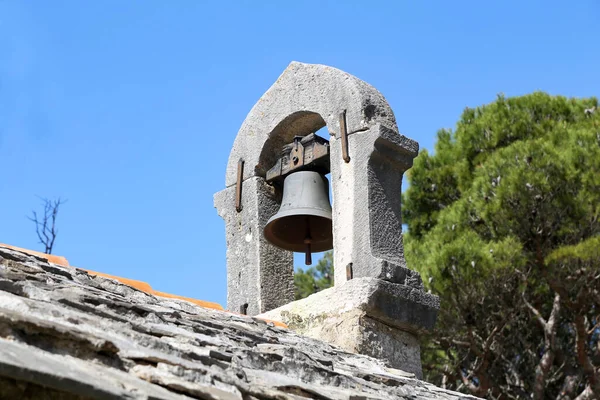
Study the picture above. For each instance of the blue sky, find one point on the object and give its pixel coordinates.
(129, 109)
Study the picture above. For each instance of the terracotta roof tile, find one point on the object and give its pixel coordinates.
(50, 257)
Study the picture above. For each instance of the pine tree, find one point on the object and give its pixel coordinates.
(503, 224)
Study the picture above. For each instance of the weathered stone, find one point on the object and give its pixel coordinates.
(397, 348)
(70, 375)
(65, 335)
(366, 316)
(18, 389)
(305, 98)
(259, 275)
(396, 305)
(367, 226)
(367, 223)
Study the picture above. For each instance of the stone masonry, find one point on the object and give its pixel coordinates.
(367, 226)
(393, 308)
(366, 316)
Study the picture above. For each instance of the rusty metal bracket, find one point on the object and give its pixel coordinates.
(297, 153)
(344, 136)
(238, 185)
(349, 272)
(310, 152)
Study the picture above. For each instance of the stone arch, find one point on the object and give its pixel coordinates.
(300, 123)
(303, 90)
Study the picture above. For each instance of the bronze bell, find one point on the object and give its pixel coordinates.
(303, 222)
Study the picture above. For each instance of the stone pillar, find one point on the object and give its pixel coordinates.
(367, 225)
(259, 275)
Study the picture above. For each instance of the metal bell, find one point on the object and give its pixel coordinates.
(303, 222)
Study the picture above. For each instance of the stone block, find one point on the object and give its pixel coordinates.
(367, 316)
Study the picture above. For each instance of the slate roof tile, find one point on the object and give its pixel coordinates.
(67, 334)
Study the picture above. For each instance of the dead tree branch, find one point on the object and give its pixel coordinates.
(45, 225)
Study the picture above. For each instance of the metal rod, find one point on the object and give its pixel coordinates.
(344, 136)
(238, 186)
(308, 255)
(349, 272)
(307, 241)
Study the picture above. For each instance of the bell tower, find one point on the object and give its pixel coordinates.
(275, 203)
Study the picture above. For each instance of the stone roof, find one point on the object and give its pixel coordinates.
(67, 334)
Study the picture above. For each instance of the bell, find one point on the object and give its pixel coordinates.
(303, 222)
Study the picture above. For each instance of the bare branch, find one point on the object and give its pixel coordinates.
(535, 312)
(582, 357)
(461, 343)
(37, 226)
(569, 385)
(474, 389)
(543, 367)
(554, 314)
(593, 328)
(587, 394)
(490, 339)
(45, 227)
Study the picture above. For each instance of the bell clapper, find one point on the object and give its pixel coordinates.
(308, 255)
(307, 242)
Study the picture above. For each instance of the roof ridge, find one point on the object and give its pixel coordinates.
(139, 285)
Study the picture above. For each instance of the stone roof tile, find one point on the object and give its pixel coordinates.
(68, 334)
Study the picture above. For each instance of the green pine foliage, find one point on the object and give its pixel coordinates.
(503, 225)
(315, 278)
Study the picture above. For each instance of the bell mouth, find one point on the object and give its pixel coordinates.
(287, 230)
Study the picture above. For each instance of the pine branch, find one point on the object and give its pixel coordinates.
(593, 377)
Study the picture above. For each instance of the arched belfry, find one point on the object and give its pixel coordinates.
(368, 157)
